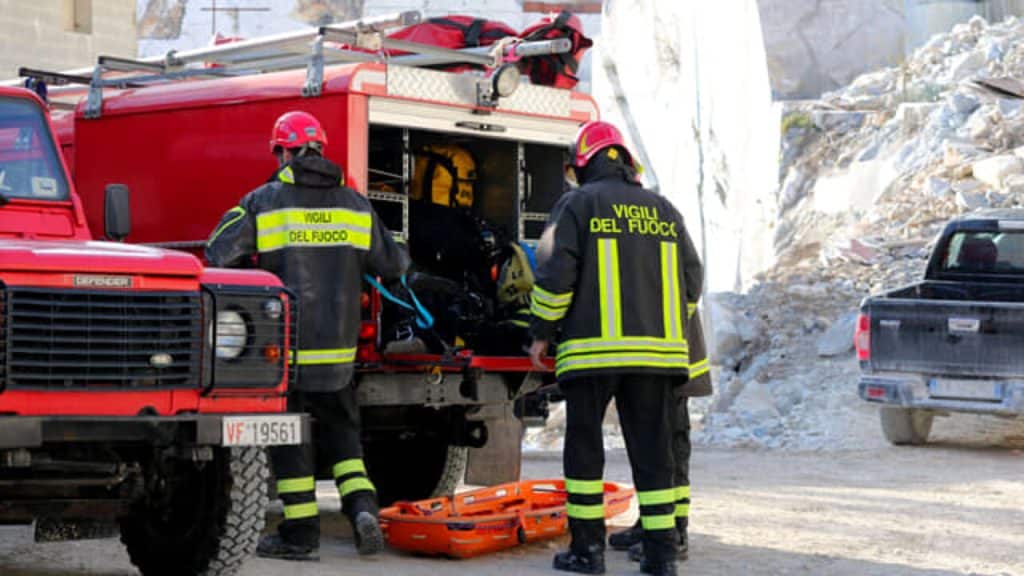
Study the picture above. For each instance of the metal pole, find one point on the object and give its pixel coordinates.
(211, 53)
(521, 50)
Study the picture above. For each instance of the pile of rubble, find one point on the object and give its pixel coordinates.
(870, 174)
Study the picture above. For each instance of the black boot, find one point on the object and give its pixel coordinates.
(589, 562)
(636, 552)
(682, 524)
(361, 510)
(627, 538)
(369, 537)
(658, 569)
(273, 546)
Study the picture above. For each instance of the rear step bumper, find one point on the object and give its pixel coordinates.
(190, 430)
(912, 391)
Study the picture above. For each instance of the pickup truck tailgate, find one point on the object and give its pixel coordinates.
(947, 337)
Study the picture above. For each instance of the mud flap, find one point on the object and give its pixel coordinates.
(500, 460)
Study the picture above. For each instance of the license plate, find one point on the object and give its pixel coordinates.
(277, 430)
(965, 389)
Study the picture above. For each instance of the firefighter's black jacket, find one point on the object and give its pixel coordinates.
(319, 237)
(619, 275)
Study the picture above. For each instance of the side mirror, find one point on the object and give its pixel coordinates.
(117, 216)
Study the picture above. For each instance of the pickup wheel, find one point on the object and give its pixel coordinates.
(200, 518)
(903, 426)
(414, 469)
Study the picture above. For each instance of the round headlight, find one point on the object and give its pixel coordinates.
(232, 334)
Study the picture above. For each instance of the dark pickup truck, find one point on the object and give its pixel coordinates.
(955, 341)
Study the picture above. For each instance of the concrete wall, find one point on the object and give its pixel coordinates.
(38, 33)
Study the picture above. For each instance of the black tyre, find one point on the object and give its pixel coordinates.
(200, 518)
(414, 468)
(905, 427)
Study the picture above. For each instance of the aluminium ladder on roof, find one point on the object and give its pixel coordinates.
(362, 40)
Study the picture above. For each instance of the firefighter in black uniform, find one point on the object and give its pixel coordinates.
(319, 237)
(616, 274)
(698, 384)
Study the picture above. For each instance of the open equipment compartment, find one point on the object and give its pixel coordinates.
(516, 185)
(517, 182)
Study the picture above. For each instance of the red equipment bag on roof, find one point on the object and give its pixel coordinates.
(558, 70)
(455, 32)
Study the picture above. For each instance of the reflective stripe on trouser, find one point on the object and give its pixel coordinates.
(350, 476)
(313, 227)
(643, 402)
(326, 356)
(298, 496)
(682, 495)
(585, 499)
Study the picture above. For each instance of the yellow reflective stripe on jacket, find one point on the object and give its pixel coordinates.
(670, 300)
(682, 510)
(328, 356)
(238, 212)
(620, 360)
(584, 486)
(699, 368)
(625, 344)
(550, 299)
(286, 175)
(545, 313)
(660, 522)
(357, 484)
(691, 307)
(299, 511)
(313, 227)
(350, 466)
(608, 280)
(296, 485)
(585, 511)
(655, 497)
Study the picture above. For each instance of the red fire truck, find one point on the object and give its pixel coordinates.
(188, 133)
(135, 385)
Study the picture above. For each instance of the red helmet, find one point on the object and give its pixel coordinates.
(594, 137)
(295, 130)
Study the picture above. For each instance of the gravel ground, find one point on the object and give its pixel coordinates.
(940, 510)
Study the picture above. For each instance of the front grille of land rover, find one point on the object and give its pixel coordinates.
(60, 339)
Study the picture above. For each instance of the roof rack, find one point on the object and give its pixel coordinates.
(362, 40)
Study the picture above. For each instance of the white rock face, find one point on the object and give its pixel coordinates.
(994, 171)
(839, 338)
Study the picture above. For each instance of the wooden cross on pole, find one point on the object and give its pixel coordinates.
(235, 10)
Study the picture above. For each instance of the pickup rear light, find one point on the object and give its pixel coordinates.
(862, 337)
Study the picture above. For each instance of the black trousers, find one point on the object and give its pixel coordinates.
(337, 416)
(681, 457)
(644, 403)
